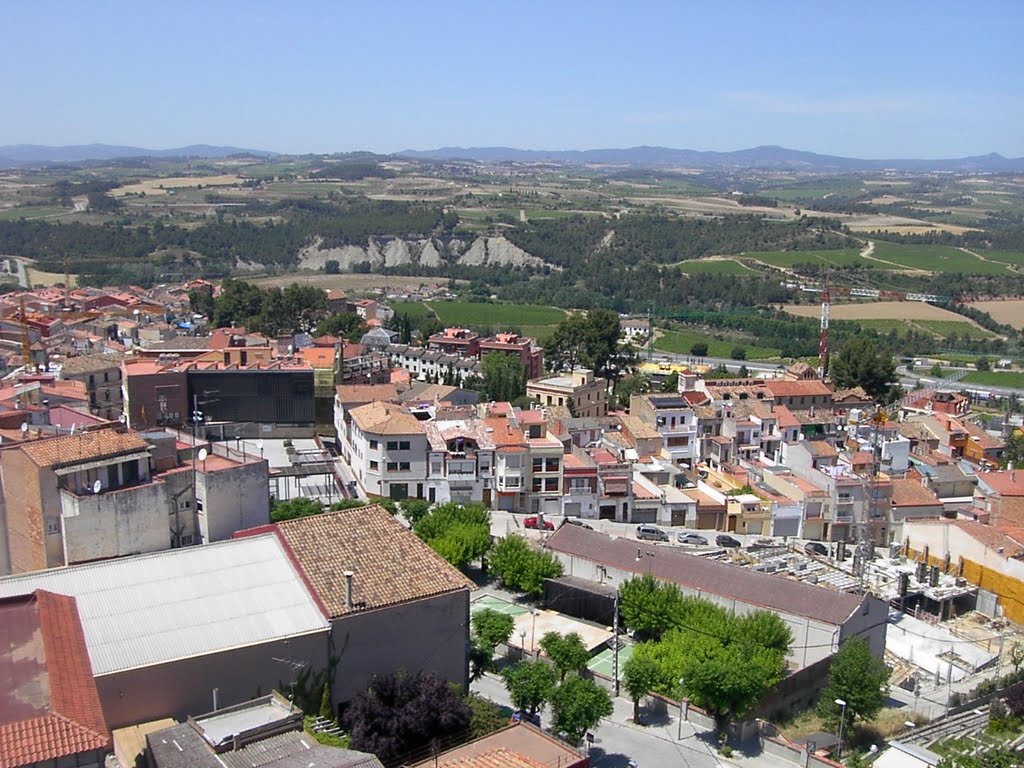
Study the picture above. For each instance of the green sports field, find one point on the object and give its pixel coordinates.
(499, 605)
(604, 662)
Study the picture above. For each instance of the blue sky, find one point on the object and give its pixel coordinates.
(866, 79)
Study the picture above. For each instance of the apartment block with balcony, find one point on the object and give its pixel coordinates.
(108, 493)
(614, 485)
(580, 492)
(545, 476)
(460, 342)
(389, 451)
(101, 375)
(674, 418)
(512, 464)
(462, 457)
(526, 351)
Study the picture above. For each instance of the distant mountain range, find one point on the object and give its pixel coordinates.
(765, 158)
(17, 155)
(761, 158)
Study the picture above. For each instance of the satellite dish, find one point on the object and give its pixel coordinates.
(259, 444)
(73, 428)
(123, 418)
(24, 427)
(97, 486)
(203, 454)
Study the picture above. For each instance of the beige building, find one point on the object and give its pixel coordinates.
(101, 375)
(584, 394)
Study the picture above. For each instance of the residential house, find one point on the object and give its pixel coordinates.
(529, 354)
(579, 390)
(389, 452)
(101, 376)
(675, 420)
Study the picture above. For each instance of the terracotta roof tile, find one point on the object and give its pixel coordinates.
(495, 758)
(85, 446)
(910, 493)
(68, 717)
(391, 564)
(386, 419)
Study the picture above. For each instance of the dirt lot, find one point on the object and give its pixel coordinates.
(879, 310)
(350, 282)
(1010, 311)
(160, 186)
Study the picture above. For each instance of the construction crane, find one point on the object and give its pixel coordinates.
(823, 336)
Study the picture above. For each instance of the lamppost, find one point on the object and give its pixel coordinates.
(682, 695)
(842, 720)
(533, 632)
(522, 641)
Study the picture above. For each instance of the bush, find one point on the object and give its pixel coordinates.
(522, 568)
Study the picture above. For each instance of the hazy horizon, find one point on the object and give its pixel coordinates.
(912, 80)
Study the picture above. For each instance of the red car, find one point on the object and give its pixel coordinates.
(531, 522)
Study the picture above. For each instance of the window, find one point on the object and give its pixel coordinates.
(403, 445)
(199, 505)
(374, 465)
(536, 485)
(538, 465)
(551, 465)
(392, 445)
(186, 541)
(373, 445)
(53, 526)
(511, 482)
(403, 466)
(551, 484)
(392, 466)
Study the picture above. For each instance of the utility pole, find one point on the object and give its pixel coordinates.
(197, 416)
(615, 640)
(823, 336)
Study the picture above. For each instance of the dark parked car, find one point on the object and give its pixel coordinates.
(691, 538)
(816, 548)
(577, 522)
(531, 522)
(724, 540)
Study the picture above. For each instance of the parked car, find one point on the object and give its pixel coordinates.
(577, 522)
(531, 522)
(691, 538)
(651, 533)
(724, 540)
(816, 548)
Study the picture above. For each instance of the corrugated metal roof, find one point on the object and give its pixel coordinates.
(150, 609)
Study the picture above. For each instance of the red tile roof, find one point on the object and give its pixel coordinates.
(49, 705)
(85, 446)
(910, 493)
(391, 564)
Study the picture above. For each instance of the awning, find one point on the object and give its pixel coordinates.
(101, 463)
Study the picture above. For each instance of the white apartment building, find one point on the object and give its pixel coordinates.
(675, 420)
(389, 450)
(461, 463)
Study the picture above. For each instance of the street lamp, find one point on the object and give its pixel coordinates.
(533, 632)
(842, 719)
(682, 695)
(522, 641)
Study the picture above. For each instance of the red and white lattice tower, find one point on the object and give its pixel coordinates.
(823, 339)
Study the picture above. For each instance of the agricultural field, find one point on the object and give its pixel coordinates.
(679, 342)
(714, 267)
(464, 314)
(1009, 312)
(846, 257)
(416, 310)
(160, 186)
(935, 258)
(996, 378)
(879, 310)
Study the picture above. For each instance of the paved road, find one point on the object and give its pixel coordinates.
(927, 381)
(618, 741)
(732, 365)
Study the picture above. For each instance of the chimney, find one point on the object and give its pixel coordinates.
(348, 589)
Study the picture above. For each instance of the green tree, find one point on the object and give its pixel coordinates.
(530, 685)
(459, 533)
(491, 628)
(699, 349)
(670, 383)
(567, 652)
(415, 510)
(294, 508)
(485, 716)
(522, 568)
(859, 678)
(639, 676)
(326, 710)
(348, 325)
(743, 372)
(936, 371)
(983, 364)
(578, 705)
(739, 353)
(332, 267)
(635, 384)
(649, 607)
(589, 340)
(991, 757)
(861, 363)
(504, 377)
